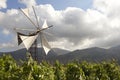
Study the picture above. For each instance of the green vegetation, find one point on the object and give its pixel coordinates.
(31, 70)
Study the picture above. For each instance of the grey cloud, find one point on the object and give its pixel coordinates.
(72, 24)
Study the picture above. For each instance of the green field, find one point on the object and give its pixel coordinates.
(31, 70)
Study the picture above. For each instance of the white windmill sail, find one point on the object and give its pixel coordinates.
(28, 40)
(45, 45)
(45, 25)
(26, 11)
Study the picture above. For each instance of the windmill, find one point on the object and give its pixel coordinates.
(30, 40)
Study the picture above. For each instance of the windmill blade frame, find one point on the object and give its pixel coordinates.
(28, 18)
(49, 34)
(36, 17)
(23, 29)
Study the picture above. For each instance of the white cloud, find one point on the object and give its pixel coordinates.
(3, 4)
(7, 45)
(28, 3)
(6, 32)
(74, 27)
(108, 7)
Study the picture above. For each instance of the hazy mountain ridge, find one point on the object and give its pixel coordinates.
(93, 54)
(21, 54)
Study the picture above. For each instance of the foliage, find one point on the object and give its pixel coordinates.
(31, 70)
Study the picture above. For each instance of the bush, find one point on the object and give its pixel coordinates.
(31, 70)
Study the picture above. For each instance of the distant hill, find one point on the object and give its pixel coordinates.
(21, 54)
(17, 55)
(93, 54)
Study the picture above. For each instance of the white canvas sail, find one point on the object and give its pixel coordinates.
(26, 11)
(45, 45)
(45, 25)
(28, 40)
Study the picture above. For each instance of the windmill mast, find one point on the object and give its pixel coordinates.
(33, 51)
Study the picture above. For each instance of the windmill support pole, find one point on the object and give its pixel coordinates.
(41, 44)
(42, 49)
(33, 51)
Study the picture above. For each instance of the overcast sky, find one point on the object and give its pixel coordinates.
(77, 24)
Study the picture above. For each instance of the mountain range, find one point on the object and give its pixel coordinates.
(94, 54)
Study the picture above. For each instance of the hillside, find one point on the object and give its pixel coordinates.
(93, 54)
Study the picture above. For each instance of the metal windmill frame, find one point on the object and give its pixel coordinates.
(30, 40)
